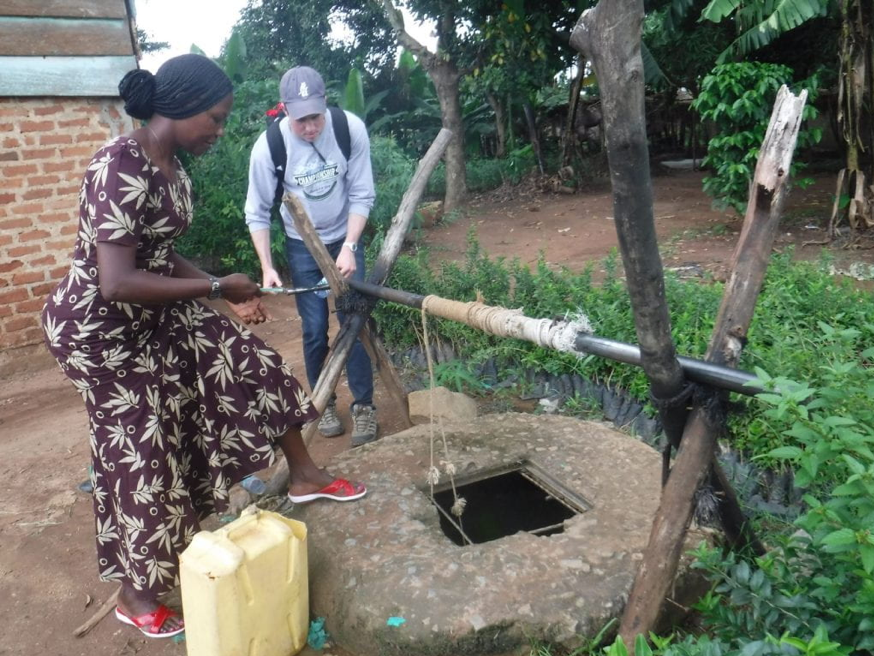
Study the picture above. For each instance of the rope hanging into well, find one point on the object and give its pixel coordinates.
(459, 503)
(558, 334)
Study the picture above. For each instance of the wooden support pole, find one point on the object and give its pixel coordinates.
(400, 225)
(391, 248)
(767, 197)
(314, 244)
(609, 35)
(387, 373)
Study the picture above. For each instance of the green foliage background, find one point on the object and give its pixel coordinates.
(738, 98)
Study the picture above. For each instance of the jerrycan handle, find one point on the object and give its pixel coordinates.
(256, 519)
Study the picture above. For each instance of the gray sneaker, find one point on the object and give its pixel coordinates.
(363, 424)
(329, 423)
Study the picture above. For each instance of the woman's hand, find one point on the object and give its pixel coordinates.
(251, 311)
(238, 288)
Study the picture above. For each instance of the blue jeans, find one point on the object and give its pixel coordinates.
(313, 313)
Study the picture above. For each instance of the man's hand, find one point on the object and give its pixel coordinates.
(251, 311)
(346, 262)
(269, 278)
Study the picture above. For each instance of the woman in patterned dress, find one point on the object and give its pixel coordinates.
(183, 403)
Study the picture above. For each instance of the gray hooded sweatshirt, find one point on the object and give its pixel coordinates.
(330, 187)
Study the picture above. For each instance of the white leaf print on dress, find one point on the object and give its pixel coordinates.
(223, 365)
(138, 189)
(115, 357)
(132, 457)
(100, 168)
(122, 400)
(53, 330)
(106, 531)
(159, 570)
(84, 388)
(89, 294)
(119, 222)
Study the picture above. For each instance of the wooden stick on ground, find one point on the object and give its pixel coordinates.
(767, 197)
(102, 612)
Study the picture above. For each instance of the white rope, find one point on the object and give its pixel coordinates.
(558, 334)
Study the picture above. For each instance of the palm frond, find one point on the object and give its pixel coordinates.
(716, 10)
(652, 72)
(761, 28)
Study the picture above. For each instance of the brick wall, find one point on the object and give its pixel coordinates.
(45, 145)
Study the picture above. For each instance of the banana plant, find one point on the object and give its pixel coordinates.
(761, 21)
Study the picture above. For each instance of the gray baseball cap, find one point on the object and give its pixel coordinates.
(302, 90)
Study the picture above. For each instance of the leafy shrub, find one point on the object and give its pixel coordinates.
(738, 98)
(487, 174)
(817, 583)
(219, 239)
(392, 172)
(784, 336)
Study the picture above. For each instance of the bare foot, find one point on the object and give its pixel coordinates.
(308, 481)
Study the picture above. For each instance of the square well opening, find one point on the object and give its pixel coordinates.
(504, 501)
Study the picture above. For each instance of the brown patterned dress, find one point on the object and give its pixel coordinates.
(182, 401)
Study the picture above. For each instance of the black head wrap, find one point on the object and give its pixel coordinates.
(184, 86)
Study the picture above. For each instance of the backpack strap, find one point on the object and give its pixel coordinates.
(341, 131)
(279, 155)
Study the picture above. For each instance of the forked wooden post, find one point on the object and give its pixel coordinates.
(609, 35)
(749, 263)
(339, 286)
(354, 323)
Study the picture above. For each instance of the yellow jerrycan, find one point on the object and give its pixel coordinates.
(244, 588)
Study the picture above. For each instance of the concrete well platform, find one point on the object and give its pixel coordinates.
(386, 556)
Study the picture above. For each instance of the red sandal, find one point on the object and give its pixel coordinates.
(150, 624)
(339, 490)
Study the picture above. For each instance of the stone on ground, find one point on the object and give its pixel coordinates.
(448, 405)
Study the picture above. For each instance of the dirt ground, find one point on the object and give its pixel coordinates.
(48, 583)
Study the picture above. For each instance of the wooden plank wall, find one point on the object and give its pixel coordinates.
(86, 77)
(53, 37)
(64, 8)
(64, 47)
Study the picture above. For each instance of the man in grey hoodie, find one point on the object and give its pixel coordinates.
(338, 195)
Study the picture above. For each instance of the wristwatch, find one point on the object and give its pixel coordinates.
(353, 245)
(215, 290)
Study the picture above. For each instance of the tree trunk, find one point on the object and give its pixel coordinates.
(569, 137)
(533, 134)
(855, 98)
(445, 76)
(500, 125)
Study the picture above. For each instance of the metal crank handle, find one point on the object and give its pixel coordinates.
(291, 291)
